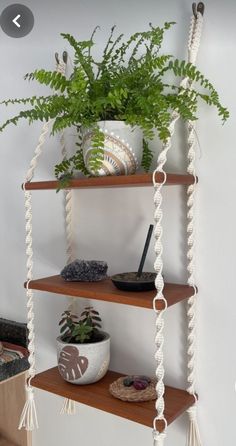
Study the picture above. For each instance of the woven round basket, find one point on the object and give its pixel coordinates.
(118, 390)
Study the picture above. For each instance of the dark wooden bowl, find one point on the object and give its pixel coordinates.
(130, 282)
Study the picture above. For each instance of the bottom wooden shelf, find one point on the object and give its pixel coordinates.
(97, 395)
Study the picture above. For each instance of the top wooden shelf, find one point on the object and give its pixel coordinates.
(106, 291)
(136, 180)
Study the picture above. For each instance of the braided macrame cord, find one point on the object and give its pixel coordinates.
(68, 406)
(193, 438)
(28, 419)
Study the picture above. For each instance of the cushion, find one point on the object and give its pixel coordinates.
(14, 332)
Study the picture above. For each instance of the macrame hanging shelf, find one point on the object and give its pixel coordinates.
(29, 417)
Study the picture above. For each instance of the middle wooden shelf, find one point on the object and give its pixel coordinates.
(106, 291)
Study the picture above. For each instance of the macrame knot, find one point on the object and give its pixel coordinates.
(28, 419)
(193, 438)
(158, 437)
(192, 412)
(30, 393)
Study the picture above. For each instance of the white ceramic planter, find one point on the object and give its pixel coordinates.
(123, 148)
(83, 363)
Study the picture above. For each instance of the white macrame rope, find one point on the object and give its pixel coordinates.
(191, 190)
(159, 283)
(38, 151)
(67, 195)
(28, 419)
(195, 37)
(69, 227)
(191, 303)
(68, 192)
(68, 406)
(193, 45)
(193, 437)
(158, 437)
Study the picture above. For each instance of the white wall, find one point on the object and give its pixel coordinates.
(111, 225)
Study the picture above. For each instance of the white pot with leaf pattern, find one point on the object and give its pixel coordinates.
(84, 363)
(122, 151)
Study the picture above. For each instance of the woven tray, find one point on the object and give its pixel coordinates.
(118, 390)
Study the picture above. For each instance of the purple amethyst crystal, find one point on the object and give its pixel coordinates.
(140, 384)
(85, 271)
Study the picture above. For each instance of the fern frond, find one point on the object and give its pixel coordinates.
(147, 156)
(65, 170)
(78, 162)
(80, 58)
(186, 69)
(53, 79)
(32, 100)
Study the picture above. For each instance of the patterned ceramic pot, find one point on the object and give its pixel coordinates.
(123, 148)
(83, 363)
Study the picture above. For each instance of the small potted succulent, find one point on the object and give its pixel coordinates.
(83, 350)
(116, 100)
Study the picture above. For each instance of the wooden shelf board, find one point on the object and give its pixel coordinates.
(97, 395)
(106, 291)
(139, 179)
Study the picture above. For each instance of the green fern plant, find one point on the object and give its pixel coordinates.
(129, 83)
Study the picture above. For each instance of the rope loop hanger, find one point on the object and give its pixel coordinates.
(193, 438)
(200, 7)
(64, 58)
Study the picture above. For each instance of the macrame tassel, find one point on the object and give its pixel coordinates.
(28, 419)
(193, 438)
(158, 438)
(68, 407)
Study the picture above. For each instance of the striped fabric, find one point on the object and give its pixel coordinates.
(10, 352)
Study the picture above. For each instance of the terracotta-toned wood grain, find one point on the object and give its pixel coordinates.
(139, 179)
(97, 395)
(106, 291)
(12, 400)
